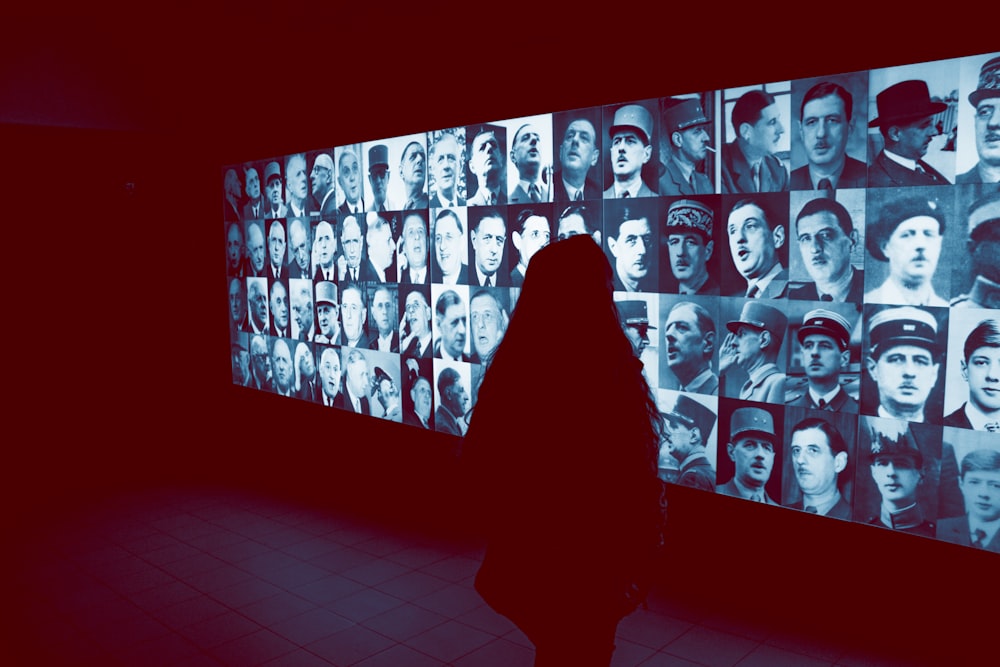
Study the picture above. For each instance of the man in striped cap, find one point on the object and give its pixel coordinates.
(824, 338)
(903, 360)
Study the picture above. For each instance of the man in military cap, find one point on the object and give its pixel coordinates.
(631, 135)
(684, 143)
(689, 246)
(979, 480)
(378, 176)
(825, 126)
(757, 233)
(985, 99)
(579, 153)
(907, 235)
(689, 338)
(824, 338)
(896, 466)
(819, 454)
(445, 165)
(752, 344)
(906, 122)
(981, 370)
(276, 207)
(984, 251)
(751, 448)
(903, 361)
(748, 162)
(631, 244)
(327, 314)
(321, 179)
(635, 323)
(827, 238)
(687, 426)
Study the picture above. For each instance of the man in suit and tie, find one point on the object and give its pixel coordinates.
(578, 219)
(684, 142)
(325, 252)
(489, 321)
(234, 193)
(282, 368)
(488, 238)
(752, 344)
(300, 203)
(981, 370)
(445, 163)
(349, 180)
(906, 122)
(236, 263)
(827, 238)
(826, 124)
(632, 244)
(449, 248)
(302, 307)
(751, 447)
(689, 334)
(354, 315)
(356, 267)
(255, 250)
(298, 249)
(415, 328)
(275, 206)
(421, 396)
(383, 313)
(238, 306)
(748, 162)
(323, 191)
(413, 170)
(276, 250)
(279, 310)
(260, 321)
(756, 231)
(532, 232)
(357, 382)
(979, 480)
(819, 454)
(413, 250)
(260, 364)
(579, 153)
(824, 339)
(486, 165)
(631, 135)
(378, 176)
(253, 209)
(450, 414)
(386, 392)
(526, 155)
(330, 376)
(450, 322)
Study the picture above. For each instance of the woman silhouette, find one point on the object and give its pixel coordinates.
(561, 451)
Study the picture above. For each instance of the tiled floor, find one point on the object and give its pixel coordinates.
(189, 577)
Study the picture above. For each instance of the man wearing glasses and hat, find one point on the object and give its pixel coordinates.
(684, 143)
(985, 99)
(635, 323)
(896, 465)
(689, 246)
(631, 135)
(903, 361)
(752, 344)
(823, 339)
(687, 426)
(906, 121)
(751, 448)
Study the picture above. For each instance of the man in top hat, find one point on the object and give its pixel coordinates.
(526, 155)
(751, 448)
(378, 176)
(321, 179)
(907, 235)
(979, 480)
(689, 246)
(579, 153)
(985, 99)
(276, 207)
(689, 338)
(748, 162)
(827, 238)
(635, 323)
(824, 338)
(896, 466)
(445, 165)
(825, 126)
(981, 370)
(984, 250)
(684, 143)
(906, 122)
(413, 171)
(327, 314)
(687, 426)
(903, 361)
(631, 135)
(819, 454)
(752, 344)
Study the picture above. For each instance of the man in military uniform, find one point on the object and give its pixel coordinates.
(752, 344)
(684, 144)
(689, 246)
(985, 99)
(823, 339)
(631, 134)
(635, 322)
(906, 121)
(896, 466)
(751, 447)
(687, 426)
(984, 251)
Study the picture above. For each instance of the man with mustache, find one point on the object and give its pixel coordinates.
(684, 144)
(751, 448)
(579, 154)
(825, 126)
(985, 99)
(690, 243)
(907, 236)
(748, 162)
(819, 454)
(824, 339)
(903, 362)
(635, 323)
(827, 238)
(906, 122)
(486, 164)
(631, 135)
(526, 155)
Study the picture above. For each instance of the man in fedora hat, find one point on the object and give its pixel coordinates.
(378, 176)
(631, 135)
(903, 362)
(687, 426)
(906, 122)
(896, 465)
(752, 344)
(321, 179)
(748, 162)
(579, 154)
(824, 338)
(825, 126)
(684, 143)
(985, 99)
(751, 447)
(983, 246)
(907, 235)
(635, 323)
(689, 232)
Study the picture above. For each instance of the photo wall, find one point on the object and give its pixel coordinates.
(809, 271)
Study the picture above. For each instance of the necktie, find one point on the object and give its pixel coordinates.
(533, 193)
(255, 209)
(409, 205)
(757, 498)
(822, 403)
(756, 177)
(979, 537)
(920, 168)
(753, 292)
(493, 198)
(825, 184)
(811, 509)
(625, 194)
(993, 427)
(825, 297)
(579, 195)
(489, 281)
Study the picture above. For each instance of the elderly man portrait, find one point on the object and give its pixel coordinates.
(303, 314)
(752, 346)
(233, 196)
(354, 315)
(530, 232)
(253, 207)
(576, 174)
(749, 162)
(817, 457)
(488, 318)
(330, 376)
(826, 126)
(260, 364)
(985, 100)
(357, 381)
(349, 180)
(306, 386)
(324, 252)
(897, 468)
(487, 147)
(629, 230)
(687, 425)
(452, 404)
(299, 249)
(685, 142)
(276, 269)
(300, 202)
(756, 229)
(356, 267)
(279, 308)
(824, 346)
(826, 240)
(630, 148)
(531, 157)
(980, 372)
(689, 243)
(983, 247)
(421, 398)
(378, 177)
(445, 166)
(385, 392)
(689, 346)
(381, 260)
(238, 315)
(256, 252)
(415, 333)
(451, 327)
(282, 368)
(322, 188)
(275, 191)
(906, 122)
(488, 240)
(383, 301)
(413, 172)
(448, 233)
(752, 446)
(327, 314)
(236, 260)
(257, 293)
(413, 249)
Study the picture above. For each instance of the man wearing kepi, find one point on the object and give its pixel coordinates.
(751, 447)
(635, 322)
(630, 149)
(897, 469)
(687, 427)
(753, 344)
(824, 338)
(689, 245)
(984, 250)
(985, 99)
(903, 361)
(685, 131)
